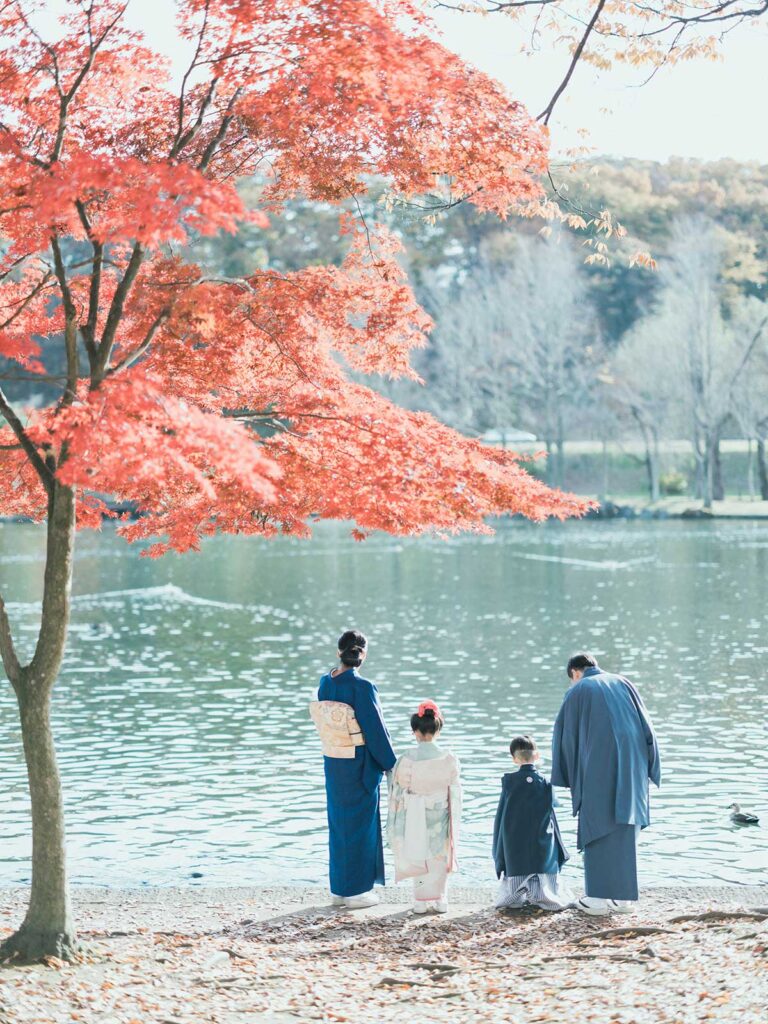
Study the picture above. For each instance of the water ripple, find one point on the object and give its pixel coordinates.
(181, 717)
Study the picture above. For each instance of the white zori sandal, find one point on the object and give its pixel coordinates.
(366, 899)
(597, 907)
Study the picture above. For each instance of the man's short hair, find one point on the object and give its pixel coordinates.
(523, 745)
(580, 661)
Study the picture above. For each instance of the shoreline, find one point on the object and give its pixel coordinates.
(273, 955)
(630, 508)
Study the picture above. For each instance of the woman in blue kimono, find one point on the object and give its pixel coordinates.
(604, 750)
(353, 777)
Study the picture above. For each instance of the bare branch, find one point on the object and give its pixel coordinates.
(747, 354)
(546, 113)
(185, 79)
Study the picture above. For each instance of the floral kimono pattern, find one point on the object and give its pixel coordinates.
(424, 815)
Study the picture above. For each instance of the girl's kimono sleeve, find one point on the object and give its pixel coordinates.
(371, 720)
(454, 813)
(397, 823)
(396, 810)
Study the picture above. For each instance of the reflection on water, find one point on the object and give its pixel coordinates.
(181, 713)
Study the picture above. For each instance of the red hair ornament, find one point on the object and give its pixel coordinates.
(429, 705)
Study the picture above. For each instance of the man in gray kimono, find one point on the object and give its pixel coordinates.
(604, 750)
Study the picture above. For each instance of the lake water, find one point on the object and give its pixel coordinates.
(181, 715)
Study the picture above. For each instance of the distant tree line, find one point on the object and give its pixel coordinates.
(530, 335)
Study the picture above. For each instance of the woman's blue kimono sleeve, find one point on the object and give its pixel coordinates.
(368, 714)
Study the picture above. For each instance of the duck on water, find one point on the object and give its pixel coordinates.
(742, 817)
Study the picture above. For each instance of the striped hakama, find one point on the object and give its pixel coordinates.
(545, 891)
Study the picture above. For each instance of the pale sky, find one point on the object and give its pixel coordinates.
(698, 109)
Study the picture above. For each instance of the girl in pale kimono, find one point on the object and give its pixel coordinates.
(424, 813)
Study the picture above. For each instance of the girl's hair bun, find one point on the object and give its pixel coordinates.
(428, 707)
(428, 718)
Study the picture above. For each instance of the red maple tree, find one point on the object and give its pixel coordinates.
(209, 403)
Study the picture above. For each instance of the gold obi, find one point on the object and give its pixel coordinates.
(337, 727)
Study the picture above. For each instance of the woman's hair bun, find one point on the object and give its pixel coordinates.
(428, 713)
(352, 643)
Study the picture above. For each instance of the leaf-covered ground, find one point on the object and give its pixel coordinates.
(233, 956)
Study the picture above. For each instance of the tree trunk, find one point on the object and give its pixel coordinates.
(718, 487)
(651, 442)
(654, 476)
(702, 472)
(48, 927)
(652, 468)
(707, 472)
(550, 462)
(560, 446)
(750, 470)
(604, 463)
(762, 468)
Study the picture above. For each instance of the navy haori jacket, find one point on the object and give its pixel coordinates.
(526, 837)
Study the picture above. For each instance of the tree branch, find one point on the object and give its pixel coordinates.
(11, 663)
(186, 137)
(226, 121)
(65, 98)
(546, 113)
(14, 264)
(26, 443)
(115, 314)
(70, 325)
(185, 79)
(89, 328)
(26, 301)
(745, 357)
(138, 352)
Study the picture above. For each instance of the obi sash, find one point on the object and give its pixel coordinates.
(337, 727)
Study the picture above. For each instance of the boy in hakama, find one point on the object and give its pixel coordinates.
(527, 848)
